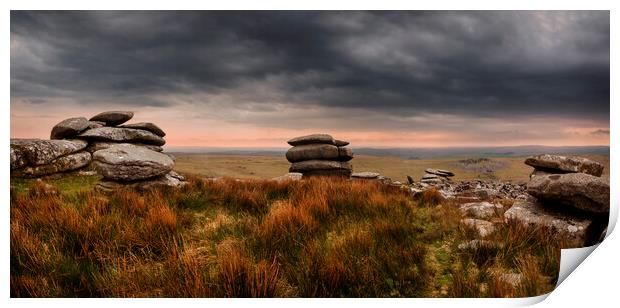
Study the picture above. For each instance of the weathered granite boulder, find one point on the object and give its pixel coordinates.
(95, 146)
(564, 164)
(170, 179)
(575, 231)
(129, 163)
(579, 190)
(113, 118)
(482, 227)
(311, 152)
(35, 152)
(310, 139)
(69, 128)
(120, 134)
(482, 210)
(292, 176)
(64, 163)
(148, 126)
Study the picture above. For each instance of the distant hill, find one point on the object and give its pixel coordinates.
(416, 153)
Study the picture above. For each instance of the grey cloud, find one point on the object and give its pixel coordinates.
(486, 63)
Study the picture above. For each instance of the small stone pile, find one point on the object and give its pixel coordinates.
(319, 154)
(125, 155)
(436, 176)
(569, 198)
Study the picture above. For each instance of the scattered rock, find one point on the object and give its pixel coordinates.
(483, 227)
(482, 210)
(120, 134)
(574, 230)
(148, 126)
(36, 152)
(64, 163)
(410, 180)
(564, 164)
(69, 128)
(113, 118)
(128, 163)
(579, 190)
(440, 172)
(365, 175)
(291, 176)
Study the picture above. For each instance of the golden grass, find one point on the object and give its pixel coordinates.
(321, 237)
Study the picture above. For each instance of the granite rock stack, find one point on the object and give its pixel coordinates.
(319, 154)
(124, 155)
(568, 197)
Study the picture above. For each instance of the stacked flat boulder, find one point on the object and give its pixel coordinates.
(556, 164)
(35, 157)
(124, 155)
(573, 203)
(436, 176)
(319, 154)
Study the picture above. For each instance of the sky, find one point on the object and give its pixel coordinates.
(257, 79)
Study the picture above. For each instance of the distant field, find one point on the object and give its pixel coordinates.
(269, 166)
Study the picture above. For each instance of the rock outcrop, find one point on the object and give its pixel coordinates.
(126, 156)
(579, 190)
(567, 197)
(319, 154)
(556, 164)
(436, 176)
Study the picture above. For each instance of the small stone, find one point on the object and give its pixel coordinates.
(69, 128)
(113, 118)
(291, 176)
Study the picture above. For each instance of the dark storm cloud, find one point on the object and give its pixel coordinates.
(471, 63)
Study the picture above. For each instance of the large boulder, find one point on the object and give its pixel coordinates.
(340, 143)
(65, 163)
(125, 162)
(69, 128)
(311, 139)
(170, 179)
(147, 126)
(120, 134)
(579, 190)
(575, 231)
(482, 227)
(113, 118)
(564, 164)
(95, 146)
(312, 151)
(35, 152)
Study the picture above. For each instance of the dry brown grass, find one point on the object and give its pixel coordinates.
(319, 237)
